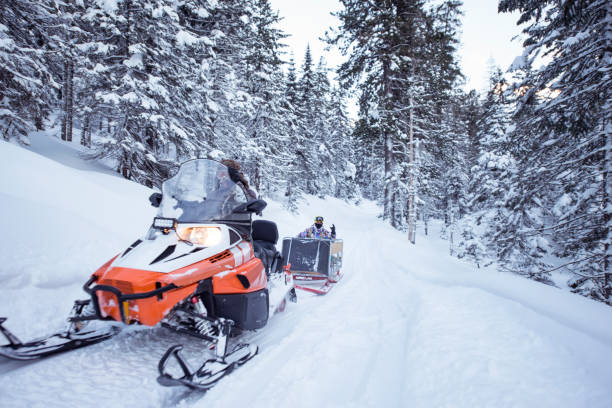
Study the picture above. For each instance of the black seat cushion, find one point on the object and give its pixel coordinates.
(263, 230)
(268, 254)
(265, 236)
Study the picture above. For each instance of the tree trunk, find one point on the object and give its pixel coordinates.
(70, 100)
(411, 166)
(388, 148)
(607, 212)
(451, 235)
(126, 51)
(86, 133)
(387, 191)
(257, 176)
(68, 96)
(393, 210)
(65, 101)
(6, 133)
(125, 170)
(607, 174)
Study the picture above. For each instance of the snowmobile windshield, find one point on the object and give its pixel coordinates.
(201, 191)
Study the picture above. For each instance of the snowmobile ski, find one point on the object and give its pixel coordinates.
(72, 337)
(213, 369)
(53, 344)
(209, 373)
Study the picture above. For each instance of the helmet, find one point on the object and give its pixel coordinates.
(318, 221)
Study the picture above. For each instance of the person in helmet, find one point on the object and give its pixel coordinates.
(317, 230)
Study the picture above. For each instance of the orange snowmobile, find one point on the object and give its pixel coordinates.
(204, 268)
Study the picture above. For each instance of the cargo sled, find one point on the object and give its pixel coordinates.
(315, 264)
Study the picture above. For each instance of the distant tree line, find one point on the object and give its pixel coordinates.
(521, 175)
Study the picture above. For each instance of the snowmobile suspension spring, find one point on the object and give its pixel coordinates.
(205, 328)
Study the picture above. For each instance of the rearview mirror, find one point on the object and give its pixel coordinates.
(155, 199)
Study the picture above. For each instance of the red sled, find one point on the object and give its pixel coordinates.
(314, 263)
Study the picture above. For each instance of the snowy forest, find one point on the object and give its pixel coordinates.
(520, 174)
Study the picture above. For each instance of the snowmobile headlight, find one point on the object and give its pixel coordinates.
(163, 223)
(204, 236)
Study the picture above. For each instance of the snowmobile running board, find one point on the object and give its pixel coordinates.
(53, 344)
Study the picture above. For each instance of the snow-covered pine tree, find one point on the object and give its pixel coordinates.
(28, 89)
(304, 147)
(403, 64)
(471, 225)
(493, 154)
(386, 43)
(342, 147)
(518, 246)
(229, 104)
(369, 165)
(266, 154)
(567, 108)
(150, 53)
(442, 131)
(322, 150)
(294, 187)
(80, 48)
(491, 166)
(291, 84)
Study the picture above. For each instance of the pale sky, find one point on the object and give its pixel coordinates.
(486, 35)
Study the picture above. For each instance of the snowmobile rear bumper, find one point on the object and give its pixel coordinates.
(121, 297)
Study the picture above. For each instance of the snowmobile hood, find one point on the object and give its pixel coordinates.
(166, 253)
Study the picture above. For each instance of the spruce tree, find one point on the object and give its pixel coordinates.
(565, 108)
(28, 88)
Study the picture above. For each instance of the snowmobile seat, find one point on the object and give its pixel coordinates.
(265, 236)
(264, 230)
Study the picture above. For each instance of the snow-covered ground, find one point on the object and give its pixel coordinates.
(408, 326)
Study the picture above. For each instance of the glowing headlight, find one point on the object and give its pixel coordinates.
(205, 236)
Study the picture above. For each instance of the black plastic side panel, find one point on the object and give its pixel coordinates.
(205, 291)
(248, 310)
